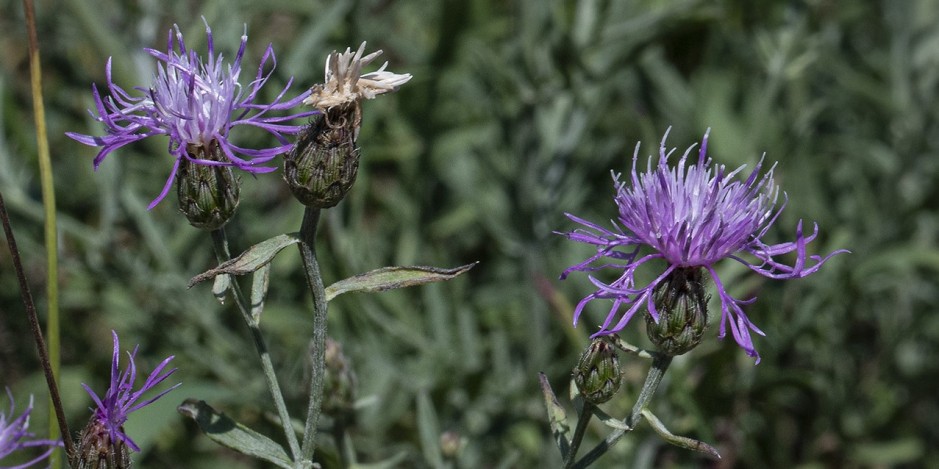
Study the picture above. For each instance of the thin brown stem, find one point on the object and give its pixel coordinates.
(36, 328)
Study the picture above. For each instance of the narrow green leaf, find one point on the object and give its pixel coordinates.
(557, 418)
(681, 441)
(621, 344)
(394, 461)
(610, 421)
(259, 284)
(234, 435)
(388, 278)
(429, 428)
(251, 260)
(220, 287)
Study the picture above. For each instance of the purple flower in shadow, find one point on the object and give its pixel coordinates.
(120, 399)
(196, 103)
(690, 216)
(15, 435)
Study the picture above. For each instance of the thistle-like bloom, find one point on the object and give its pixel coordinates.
(15, 435)
(196, 104)
(344, 84)
(322, 167)
(120, 400)
(691, 216)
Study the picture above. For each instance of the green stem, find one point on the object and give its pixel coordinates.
(653, 379)
(48, 203)
(220, 241)
(315, 282)
(585, 415)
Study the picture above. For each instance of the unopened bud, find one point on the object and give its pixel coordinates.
(598, 375)
(322, 166)
(339, 383)
(683, 312)
(208, 195)
(96, 449)
(451, 443)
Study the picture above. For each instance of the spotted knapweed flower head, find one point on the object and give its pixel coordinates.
(196, 103)
(105, 429)
(690, 216)
(323, 165)
(15, 436)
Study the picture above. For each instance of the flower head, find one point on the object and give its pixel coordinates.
(196, 103)
(690, 216)
(15, 435)
(321, 169)
(112, 409)
(344, 84)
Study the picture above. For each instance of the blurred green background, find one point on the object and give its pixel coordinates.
(517, 113)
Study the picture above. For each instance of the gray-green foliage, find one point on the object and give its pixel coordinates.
(517, 113)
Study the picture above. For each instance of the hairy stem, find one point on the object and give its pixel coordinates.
(220, 241)
(315, 282)
(584, 419)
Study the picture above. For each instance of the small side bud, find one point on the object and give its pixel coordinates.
(683, 312)
(322, 166)
(598, 375)
(340, 383)
(208, 195)
(451, 444)
(96, 450)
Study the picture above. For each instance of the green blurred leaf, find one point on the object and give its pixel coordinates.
(429, 428)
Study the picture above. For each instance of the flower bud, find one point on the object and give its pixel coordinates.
(96, 449)
(339, 382)
(683, 312)
(598, 375)
(321, 167)
(208, 195)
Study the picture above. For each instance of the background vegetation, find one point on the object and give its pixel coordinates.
(517, 113)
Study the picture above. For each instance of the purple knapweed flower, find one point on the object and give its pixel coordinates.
(196, 104)
(691, 216)
(120, 400)
(15, 435)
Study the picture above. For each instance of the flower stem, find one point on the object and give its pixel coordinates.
(48, 203)
(37, 330)
(653, 379)
(220, 241)
(585, 415)
(315, 282)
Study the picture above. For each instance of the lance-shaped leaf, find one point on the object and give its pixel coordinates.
(556, 417)
(220, 287)
(682, 441)
(610, 421)
(234, 435)
(388, 278)
(259, 284)
(251, 260)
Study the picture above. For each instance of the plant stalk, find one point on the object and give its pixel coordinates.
(62, 424)
(220, 241)
(586, 415)
(660, 365)
(315, 282)
(48, 203)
